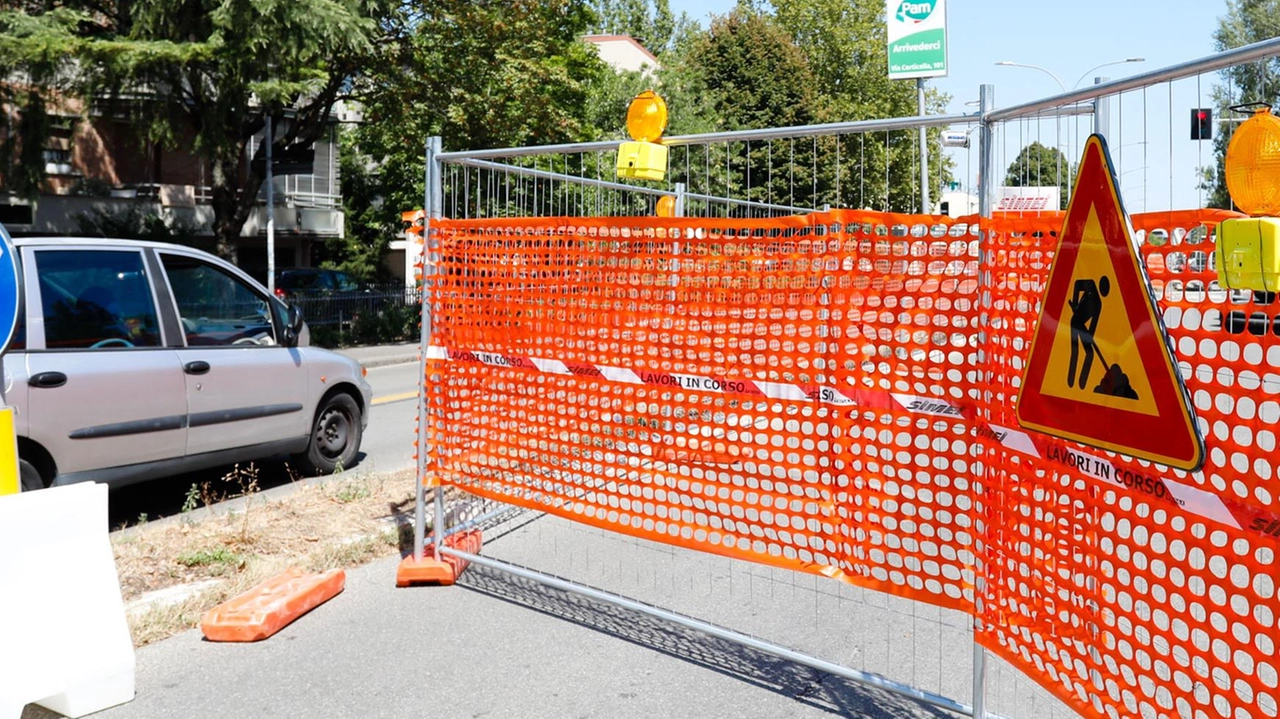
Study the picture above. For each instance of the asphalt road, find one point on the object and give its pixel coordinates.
(387, 447)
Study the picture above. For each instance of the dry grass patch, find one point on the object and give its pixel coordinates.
(342, 523)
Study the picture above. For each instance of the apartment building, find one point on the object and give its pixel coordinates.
(96, 164)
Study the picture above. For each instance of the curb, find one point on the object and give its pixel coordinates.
(388, 361)
(374, 362)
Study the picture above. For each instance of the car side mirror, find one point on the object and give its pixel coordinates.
(293, 327)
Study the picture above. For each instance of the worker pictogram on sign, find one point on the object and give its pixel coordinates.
(1086, 308)
(1101, 370)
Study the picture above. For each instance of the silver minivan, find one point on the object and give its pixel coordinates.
(135, 360)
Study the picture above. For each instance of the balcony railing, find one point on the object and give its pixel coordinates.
(56, 214)
(295, 194)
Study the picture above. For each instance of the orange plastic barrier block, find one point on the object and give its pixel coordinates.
(445, 570)
(271, 606)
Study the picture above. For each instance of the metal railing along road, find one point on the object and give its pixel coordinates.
(343, 308)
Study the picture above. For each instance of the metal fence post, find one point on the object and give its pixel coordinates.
(1101, 112)
(986, 187)
(431, 255)
(431, 202)
(1101, 126)
(681, 191)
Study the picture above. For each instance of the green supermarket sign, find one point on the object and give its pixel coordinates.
(917, 38)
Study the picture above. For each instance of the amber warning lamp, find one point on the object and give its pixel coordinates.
(1247, 253)
(644, 158)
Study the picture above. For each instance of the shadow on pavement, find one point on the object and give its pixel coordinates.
(817, 689)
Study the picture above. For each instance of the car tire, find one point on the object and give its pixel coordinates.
(335, 436)
(29, 476)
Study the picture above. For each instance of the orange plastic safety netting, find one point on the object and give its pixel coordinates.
(816, 393)
(743, 387)
(1121, 600)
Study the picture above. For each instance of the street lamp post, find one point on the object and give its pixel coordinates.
(1008, 63)
(1058, 119)
(1106, 64)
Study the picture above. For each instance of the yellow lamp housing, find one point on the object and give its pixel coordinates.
(647, 117)
(1247, 254)
(1252, 165)
(642, 161)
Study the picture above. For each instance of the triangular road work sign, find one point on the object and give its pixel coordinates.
(1101, 371)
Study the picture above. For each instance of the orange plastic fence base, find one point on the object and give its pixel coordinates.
(443, 571)
(271, 606)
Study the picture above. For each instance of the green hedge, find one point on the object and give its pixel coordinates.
(393, 323)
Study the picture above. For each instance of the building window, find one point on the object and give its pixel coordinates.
(58, 162)
(14, 214)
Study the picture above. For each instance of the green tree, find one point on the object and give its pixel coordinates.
(650, 22)
(681, 86)
(1245, 22)
(133, 222)
(845, 43)
(478, 73)
(369, 228)
(1041, 166)
(677, 79)
(219, 69)
(750, 75)
(756, 74)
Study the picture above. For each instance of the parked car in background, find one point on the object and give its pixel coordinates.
(336, 301)
(137, 360)
(295, 282)
(326, 297)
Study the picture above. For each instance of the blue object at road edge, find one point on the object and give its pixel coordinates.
(8, 289)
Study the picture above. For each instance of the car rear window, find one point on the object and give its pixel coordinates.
(96, 299)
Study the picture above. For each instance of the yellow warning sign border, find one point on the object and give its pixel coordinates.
(1158, 439)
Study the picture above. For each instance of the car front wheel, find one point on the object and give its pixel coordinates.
(335, 436)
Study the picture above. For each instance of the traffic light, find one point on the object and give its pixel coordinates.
(1201, 123)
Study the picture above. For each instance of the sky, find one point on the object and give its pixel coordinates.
(1067, 39)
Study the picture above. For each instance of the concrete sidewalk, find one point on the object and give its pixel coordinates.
(372, 356)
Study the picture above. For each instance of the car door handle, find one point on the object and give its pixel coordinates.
(48, 380)
(196, 367)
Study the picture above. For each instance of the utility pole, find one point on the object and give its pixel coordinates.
(924, 151)
(271, 214)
